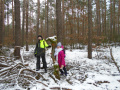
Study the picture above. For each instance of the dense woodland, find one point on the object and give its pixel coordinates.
(74, 22)
(88, 29)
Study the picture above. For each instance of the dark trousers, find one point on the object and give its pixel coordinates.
(38, 62)
(65, 71)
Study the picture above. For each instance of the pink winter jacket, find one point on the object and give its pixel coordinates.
(61, 58)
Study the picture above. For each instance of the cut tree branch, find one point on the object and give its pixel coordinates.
(114, 60)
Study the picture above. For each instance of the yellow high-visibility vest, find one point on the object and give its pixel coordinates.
(43, 44)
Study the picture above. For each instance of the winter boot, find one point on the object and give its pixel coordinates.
(61, 71)
(45, 70)
(42, 68)
(65, 71)
(37, 69)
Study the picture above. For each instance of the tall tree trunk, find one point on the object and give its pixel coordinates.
(27, 4)
(17, 28)
(114, 20)
(89, 29)
(8, 18)
(111, 22)
(3, 27)
(38, 17)
(50, 21)
(55, 27)
(47, 20)
(1, 23)
(17, 23)
(83, 22)
(78, 27)
(71, 26)
(98, 17)
(105, 18)
(45, 30)
(63, 27)
(119, 19)
(30, 32)
(41, 27)
(58, 21)
(59, 32)
(13, 19)
(102, 18)
(23, 20)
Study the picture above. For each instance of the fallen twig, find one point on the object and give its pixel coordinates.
(114, 59)
(27, 76)
(3, 65)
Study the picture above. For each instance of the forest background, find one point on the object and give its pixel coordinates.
(40, 17)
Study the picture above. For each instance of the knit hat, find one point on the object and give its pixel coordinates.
(59, 44)
(40, 36)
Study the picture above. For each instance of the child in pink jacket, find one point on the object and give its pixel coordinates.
(60, 57)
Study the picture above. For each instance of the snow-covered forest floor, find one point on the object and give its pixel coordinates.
(98, 73)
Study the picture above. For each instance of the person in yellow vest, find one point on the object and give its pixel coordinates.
(40, 53)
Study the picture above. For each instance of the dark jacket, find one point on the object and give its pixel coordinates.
(40, 48)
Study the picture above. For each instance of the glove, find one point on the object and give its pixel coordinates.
(35, 55)
(49, 46)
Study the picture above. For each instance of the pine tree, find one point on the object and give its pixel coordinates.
(38, 18)
(58, 20)
(47, 19)
(17, 28)
(13, 19)
(119, 18)
(89, 29)
(1, 23)
(27, 4)
(23, 22)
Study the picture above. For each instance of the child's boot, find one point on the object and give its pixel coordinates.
(61, 71)
(65, 71)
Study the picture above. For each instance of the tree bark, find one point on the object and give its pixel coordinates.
(89, 29)
(98, 18)
(59, 32)
(58, 21)
(78, 27)
(102, 16)
(41, 27)
(23, 20)
(27, 4)
(114, 20)
(111, 22)
(17, 52)
(63, 27)
(1, 23)
(17, 28)
(47, 21)
(83, 24)
(3, 27)
(8, 26)
(119, 19)
(13, 19)
(72, 27)
(17, 23)
(38, 17)
(105, 18)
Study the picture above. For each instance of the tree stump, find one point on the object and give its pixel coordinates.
(56, 71)
(17, 52)
(53, 41)
(0, 45)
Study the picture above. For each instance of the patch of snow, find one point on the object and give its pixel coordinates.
(83, 73)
